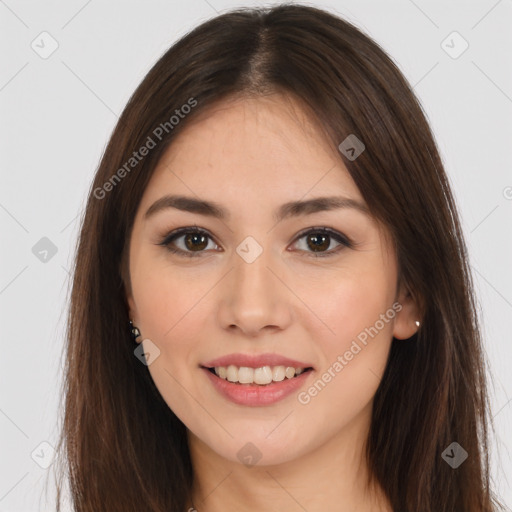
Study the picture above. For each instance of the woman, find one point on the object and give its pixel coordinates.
(272, 225)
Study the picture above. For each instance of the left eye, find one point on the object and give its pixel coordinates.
(319, 239)
(195, 241)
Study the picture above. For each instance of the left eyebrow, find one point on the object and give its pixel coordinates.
(290, 209)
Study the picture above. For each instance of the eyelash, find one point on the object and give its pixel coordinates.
(338, 237)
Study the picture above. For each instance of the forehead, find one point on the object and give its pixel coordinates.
(257, 149)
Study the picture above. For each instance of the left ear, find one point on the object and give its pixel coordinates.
(405, 320)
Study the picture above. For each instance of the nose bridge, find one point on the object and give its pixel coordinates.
(253, 297)
(252, 281)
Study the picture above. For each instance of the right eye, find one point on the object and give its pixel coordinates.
(194, 241)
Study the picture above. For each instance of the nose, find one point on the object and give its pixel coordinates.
(254, 300)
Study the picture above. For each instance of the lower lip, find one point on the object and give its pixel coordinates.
(254, 394)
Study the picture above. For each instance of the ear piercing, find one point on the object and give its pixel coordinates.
(417, 323)
(134, 331)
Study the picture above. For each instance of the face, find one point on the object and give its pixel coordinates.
(315, 285)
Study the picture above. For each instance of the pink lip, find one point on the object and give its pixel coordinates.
(255, 361)
(254, 394)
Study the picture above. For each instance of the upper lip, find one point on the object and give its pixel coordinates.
(255, 361)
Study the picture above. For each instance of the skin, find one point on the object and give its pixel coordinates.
(251, 156)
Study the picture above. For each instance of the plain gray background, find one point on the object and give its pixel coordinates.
(57, 113)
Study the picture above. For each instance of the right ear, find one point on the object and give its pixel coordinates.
(132, 310)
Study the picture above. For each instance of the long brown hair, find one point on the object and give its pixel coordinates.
(123, 447)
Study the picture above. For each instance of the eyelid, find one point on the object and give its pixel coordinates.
(343, 240)
(326, 230)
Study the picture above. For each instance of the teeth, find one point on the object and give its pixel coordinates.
(245, 375)
(290, 372)
(232, 373)
(278, 373)
(262, 376)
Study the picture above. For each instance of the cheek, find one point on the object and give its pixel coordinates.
(355, 356)
(351, 302)
(169, 301)
(175, 320)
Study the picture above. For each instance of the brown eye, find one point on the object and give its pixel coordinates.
(195, 241)
(319, 240)
(187, 241)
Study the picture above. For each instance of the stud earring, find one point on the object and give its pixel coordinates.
(134, 331)
(417, 323)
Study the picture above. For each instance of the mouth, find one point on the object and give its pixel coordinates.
(256, 387)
